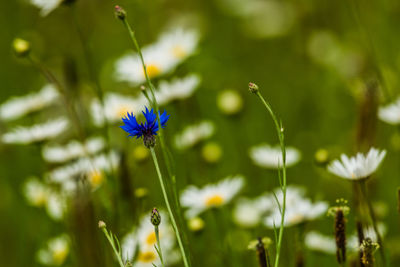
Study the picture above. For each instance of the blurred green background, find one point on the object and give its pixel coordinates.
(316, 88)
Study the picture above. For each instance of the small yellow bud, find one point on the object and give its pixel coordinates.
(211, 152)
(196, 224)
(21, 47)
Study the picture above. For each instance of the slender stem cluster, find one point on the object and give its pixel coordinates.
(167, 203)
(121, 14)
(113, 240)
(154, 103)
(282, 178)
(158, 248)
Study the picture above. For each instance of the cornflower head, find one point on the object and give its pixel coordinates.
(147, 130)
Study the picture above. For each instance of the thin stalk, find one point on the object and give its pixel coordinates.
(156, 230)
(373, 219)
(110, 239)
(279, 131)
(166, 155)
(151, 87)
(174, 225)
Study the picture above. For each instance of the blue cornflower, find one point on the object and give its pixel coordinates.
(147, 130)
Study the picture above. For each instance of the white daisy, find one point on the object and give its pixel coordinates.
(177, 89)
(17, 107)
(249, 212)
(56, 205)
(115, 107)
(359, 167)
(267, 156)
(74, 149)
(46, 6)
(56, 251)
(298, 208)
(36, 193)
(179, 43)
(172, 48)
(140, 242)
(390, 113)
(93, 169)
(319, 242)
(193, 134)
(210, 196)
(36, 133)
(39, 194)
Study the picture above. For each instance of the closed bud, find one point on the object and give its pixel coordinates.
(21, 47)
(253, 88)
(102, 224)
(120, 12)
(155, 217)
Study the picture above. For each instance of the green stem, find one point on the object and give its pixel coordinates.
(164, 148)
(156, 230)
(156, 107)
(174, 225)
(279, 130)
(111, 241)
(371, 212)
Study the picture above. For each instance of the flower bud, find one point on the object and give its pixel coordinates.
(155, 217)
(253, 88)
(102, 224)
(321, 157)
(21, 47)
(120, 12)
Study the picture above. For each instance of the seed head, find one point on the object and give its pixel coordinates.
(120, 12)
(340, 236)
(368, 248)
(155, 217)
(253, 88)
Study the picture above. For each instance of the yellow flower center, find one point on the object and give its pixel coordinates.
(59, 256)
(40, 199)
(122, 111)
(296, 218)
(178, 51)
(151, 238)
(95, 178)
(152, 70)
(214, 201)
(147, 257)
